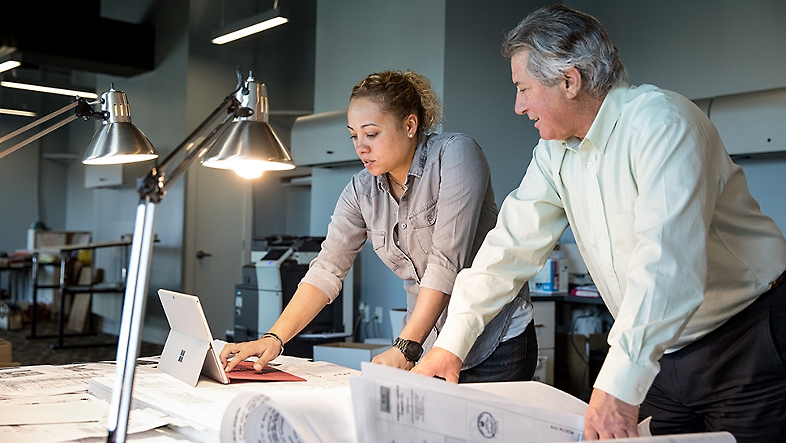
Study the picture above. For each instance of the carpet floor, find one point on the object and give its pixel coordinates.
(76, 349)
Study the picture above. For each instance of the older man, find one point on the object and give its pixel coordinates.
(683, 258)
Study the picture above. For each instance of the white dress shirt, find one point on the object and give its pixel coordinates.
(662, 217)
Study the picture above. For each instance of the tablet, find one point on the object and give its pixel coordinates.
(188, 351)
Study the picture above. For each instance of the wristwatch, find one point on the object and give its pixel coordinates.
(410, 348)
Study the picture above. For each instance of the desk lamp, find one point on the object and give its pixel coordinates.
(249, 141)
(116, 129)
(238, 129)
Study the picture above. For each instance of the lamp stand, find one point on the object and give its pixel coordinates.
(132, 320)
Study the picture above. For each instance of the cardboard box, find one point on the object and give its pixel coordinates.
(348, 354)
(6, 354)
(10, 319)
(44, 238)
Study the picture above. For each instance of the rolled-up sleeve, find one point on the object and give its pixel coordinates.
(345, 237)
(464, 180)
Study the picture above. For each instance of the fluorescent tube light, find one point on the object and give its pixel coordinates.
(17, 112)
(8, 65)
(252, 25)
(47, 89)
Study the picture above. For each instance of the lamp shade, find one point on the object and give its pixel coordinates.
(250, 146)
(118, 141)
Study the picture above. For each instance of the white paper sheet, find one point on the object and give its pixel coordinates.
(397, 406)
(320, 406)
(139, 421)
(27, 381)
(66, 408)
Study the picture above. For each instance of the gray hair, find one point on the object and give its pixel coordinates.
(558, 38)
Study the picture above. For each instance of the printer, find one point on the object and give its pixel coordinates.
(278, 263)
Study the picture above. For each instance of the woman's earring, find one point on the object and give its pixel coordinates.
(410, 135)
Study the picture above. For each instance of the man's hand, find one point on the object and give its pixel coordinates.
(609, 417)
(393, 358)
(266, 348)
(441, 363)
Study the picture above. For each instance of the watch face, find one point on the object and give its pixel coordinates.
(411, 353)
(411, 349)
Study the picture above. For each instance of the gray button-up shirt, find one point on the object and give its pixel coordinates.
(426, 238)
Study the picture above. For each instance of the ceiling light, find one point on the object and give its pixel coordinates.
(17, 112)
(49, 90)
(8, 65)
(251, 25)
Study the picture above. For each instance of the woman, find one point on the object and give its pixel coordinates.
(425, 202)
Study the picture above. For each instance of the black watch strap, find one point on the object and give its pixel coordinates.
(411, 349)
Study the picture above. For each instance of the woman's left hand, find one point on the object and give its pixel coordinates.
(394, 358)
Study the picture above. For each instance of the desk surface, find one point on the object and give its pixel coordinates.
(197, 413)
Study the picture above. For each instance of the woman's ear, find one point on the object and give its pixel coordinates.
(411, 125)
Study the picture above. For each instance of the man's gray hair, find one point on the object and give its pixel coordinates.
(558, 38)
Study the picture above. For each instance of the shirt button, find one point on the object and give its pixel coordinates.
(403, 226)
(589, 164)
(595, 202)
(603, 239)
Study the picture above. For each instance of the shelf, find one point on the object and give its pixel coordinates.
(64, 159)
(297, 181)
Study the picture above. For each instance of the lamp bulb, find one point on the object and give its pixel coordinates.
(248, 171)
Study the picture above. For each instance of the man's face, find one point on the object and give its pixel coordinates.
(548, 106)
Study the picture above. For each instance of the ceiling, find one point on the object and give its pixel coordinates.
(72, 35)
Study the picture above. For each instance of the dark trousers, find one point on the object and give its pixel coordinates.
(513, 360)
(733, 379)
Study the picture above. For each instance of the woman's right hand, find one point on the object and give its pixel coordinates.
(266, 348)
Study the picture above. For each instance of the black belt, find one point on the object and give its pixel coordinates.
(778, 281)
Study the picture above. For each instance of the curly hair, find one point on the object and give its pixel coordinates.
(400, 94)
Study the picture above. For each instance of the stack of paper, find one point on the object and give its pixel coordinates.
(212, 412)
(50, 404)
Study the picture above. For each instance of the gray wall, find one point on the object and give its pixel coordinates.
(699, 48)
(158, 102)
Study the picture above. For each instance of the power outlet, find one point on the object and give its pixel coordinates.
(378, 314)
(364, 312)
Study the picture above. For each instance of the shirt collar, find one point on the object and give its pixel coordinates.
(417, 166)
(604, 123)
(420, 158)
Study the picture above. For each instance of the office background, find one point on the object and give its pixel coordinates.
(699, 48)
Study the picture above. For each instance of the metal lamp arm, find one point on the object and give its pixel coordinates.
(155, 184)
(83, 110)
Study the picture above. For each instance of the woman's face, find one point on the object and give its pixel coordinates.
(381, 141)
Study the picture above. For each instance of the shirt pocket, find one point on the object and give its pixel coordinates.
(377, 239)
(382, 249)
(422, 222)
